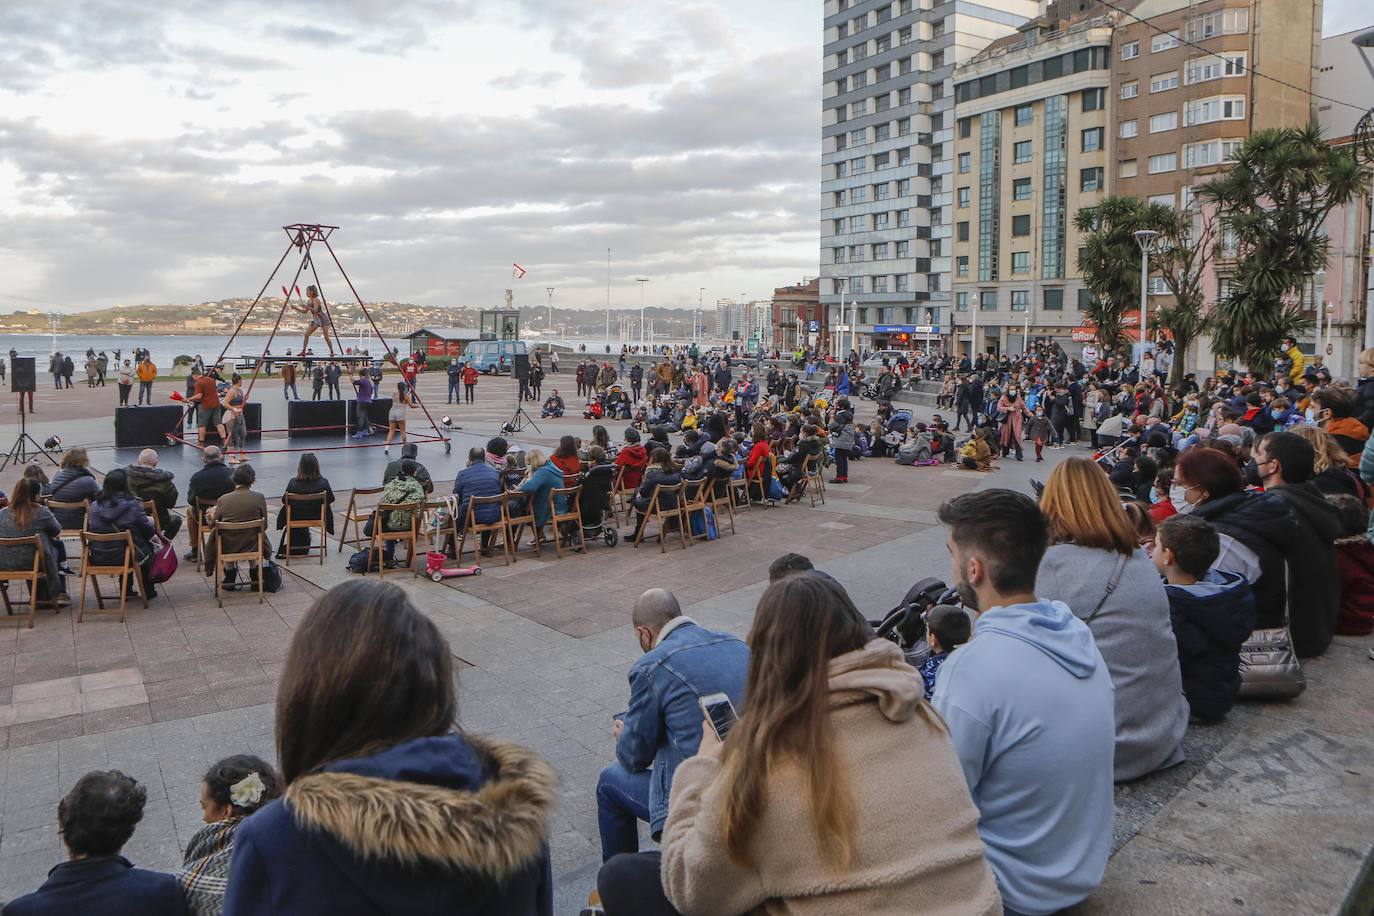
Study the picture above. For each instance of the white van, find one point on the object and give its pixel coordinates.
(493, 357)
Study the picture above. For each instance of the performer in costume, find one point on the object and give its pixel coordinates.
(319, 318)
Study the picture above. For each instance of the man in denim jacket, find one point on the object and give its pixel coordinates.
(682, 663)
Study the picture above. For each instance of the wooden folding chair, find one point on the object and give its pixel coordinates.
(472, 527)
(201, 508)
(358, 515)
(32, 576)
(572, 514)
(814, 479)
(381, 537)
(662, 515)
(519, 513)
(763, 473)
(225, 561)
(311, 508)
(620, 501)
(694, 502)
(83, 507)
(126, 570)
(718, 494)
(739, 491)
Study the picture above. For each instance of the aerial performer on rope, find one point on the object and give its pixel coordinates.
(319, 318)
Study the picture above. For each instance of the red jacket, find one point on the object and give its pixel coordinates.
(634, 459)
(470, 375)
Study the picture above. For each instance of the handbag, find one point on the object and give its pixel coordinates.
(164, 561)
(1269, 668)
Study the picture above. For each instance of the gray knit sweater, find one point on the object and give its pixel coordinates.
(1134, 635)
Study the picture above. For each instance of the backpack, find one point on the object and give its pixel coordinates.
(271, 576)
(364, 561)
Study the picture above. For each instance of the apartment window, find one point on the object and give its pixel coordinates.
(1214, 67)
(882, 102)
(858, 166)
(965, 128)
(856, 252)
(903, 284)
(1217, 108)
(1130, 50)
(879, 221)
(965, 162)
(1020, 300)
(884, 43)
(961, 301)
(841, 141)
(858, 137)
(904, 127)
(859, 80)
(961, 265)
(837, 255)
(880, 284)
(882, 132)
(1021, 189)
(987, 300)
(1130, 90)
(839, 198)
(881, 160)
(858, 195)
(904, 218)
(1024, 113)
(963, 197)
(1126, 169)
(903, 249)
(882, 191)
(1166, 200)
(904, 36)
(841, 169)
(858, 108)
(904, 95)
(1090, 179)
(839, 226)
(1085, 299)
(937, 29)
(904, 187)
(1094, 99)
(1020, 225)
(904, 155)
(1165, 162)
(1020, 264)
(1128, 129)
(933, 282)
(1021, 151)
(1222, 22)
(880, 251)
(1162, 82)
(961, 231)
(1092, 139)
(1054, 299)
(1211, 152)
(1164, 42)
(856, 284)
(1165, 121)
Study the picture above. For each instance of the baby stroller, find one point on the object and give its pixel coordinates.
(906, 625)
(598, 520)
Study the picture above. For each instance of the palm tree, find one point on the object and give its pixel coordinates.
(1110, 261)
(1273, 202)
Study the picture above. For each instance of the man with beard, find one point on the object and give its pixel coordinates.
(1030, 709)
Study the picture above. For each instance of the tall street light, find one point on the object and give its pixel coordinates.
(549, 290)
(641, 281)
(696, 316)
(974, 301)
(1144, 238)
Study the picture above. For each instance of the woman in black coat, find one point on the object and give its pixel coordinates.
(661, 472)
(1260, 530)
(72, 483)
(307, 481)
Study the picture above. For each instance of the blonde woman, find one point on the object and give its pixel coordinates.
(1331, 474)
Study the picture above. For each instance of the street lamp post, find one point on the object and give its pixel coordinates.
(1144, 238)
(973, 301)
(641, 281)
(696, 316)
(549, 290)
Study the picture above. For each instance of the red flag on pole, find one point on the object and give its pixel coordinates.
(519, 271)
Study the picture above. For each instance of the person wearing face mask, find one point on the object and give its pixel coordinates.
(1258, 530)
(1030, 708)
(1335, 413)
(1011, 409)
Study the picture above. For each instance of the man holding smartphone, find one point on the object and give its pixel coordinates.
(683, 664)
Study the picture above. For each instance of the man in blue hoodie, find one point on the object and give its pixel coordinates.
(1029, 704)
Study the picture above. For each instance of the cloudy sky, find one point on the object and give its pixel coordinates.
(149, 151)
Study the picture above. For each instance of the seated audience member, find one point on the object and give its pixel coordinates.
(545, 477)
(1336, 415)
(147, 481)
(408, 452)
(115, 509)
(72, 483)
(230, 791)
(792, 468)
(809, 804)
(404, 488)
(1213, 613)
(947, 628)
(1030, 707)
(1331, 472)
(25, 516)
(661, 725)
(977, 453)
(212, 481)
(95, 819)
(661, 472)
(307, 482)
(594, 500)
(789, 564)
(566, 459)
(633, 458)
(1285, 465)
(388, 807)
(512, 475)
(243, 504)
(553, 406)
(497, 448)
(1096, 567)
(477, 479)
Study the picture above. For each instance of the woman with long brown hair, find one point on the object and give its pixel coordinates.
(837, 792)
(1096, 567)
(387, 803)
(24, 516)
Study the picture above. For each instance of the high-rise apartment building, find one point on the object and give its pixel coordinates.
(887, 154)
(1032, 141)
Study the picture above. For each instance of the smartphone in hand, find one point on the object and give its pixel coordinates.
(718, 709)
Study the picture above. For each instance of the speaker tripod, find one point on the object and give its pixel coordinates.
(19, 452)
(519, 420)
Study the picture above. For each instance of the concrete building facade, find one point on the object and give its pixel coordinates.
(798, 318)
(1032, 147)
(887, 153)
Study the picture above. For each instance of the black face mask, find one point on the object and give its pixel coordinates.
(1251, 474)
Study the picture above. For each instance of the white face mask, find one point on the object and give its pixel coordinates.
(1178, 495)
